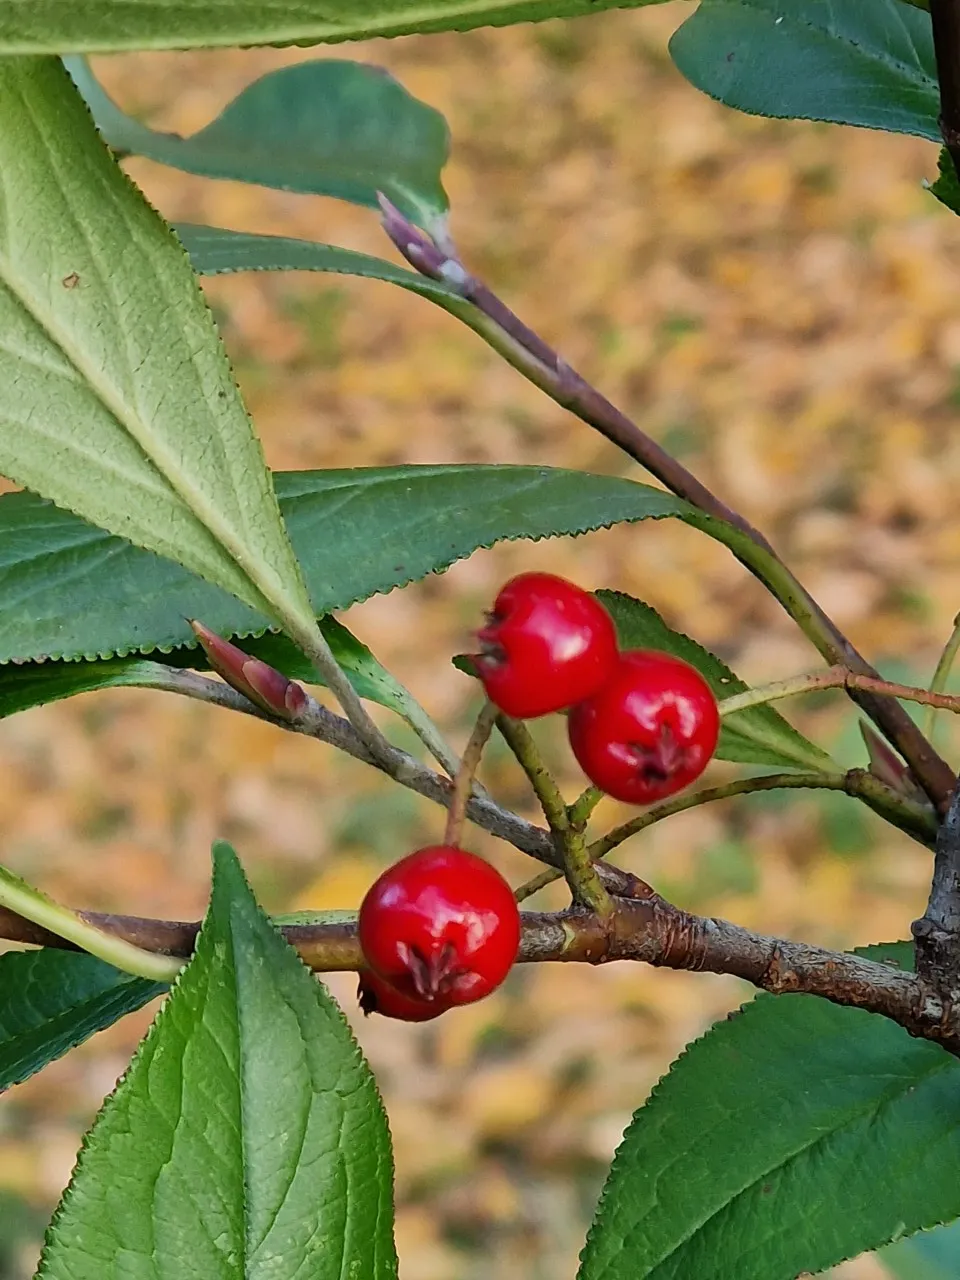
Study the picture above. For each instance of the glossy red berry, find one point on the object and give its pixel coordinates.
(377, 996)
(547, 644)
(649, 732)
(440, 926)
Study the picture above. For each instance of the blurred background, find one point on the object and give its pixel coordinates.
(777, 304)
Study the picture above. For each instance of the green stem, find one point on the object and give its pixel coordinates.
(692, 800)
(838, 677)
(585, 884)
(915, 819)
(580, 811)
(18, 896)
(942, 674)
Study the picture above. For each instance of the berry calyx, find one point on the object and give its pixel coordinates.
(649, 732)
(546, 645)
(377, 996)
(440, 926)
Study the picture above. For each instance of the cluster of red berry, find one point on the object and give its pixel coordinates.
(643, 724)
(441, 928)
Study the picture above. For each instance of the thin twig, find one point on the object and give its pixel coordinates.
(585, 883)
(693, 799)
(917, 821)
(322, 725)
(837, 677)
(463, 782)
(493, 321)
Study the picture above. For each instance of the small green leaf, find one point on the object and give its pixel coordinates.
(247, 1139)
(330, 128)
(862, 62)
(118, 400)
(101, 26)
(770, 1147)
(54, 1000)
(759, 735)
(217, 251)
(928, 1255)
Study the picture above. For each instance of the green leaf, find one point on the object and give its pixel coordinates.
(947, 187)
(118, 400)
(217, 251)
(100, 26)
(758, 735)
(862, 62)
(54, 1000)
(70, 590)
(246, 1140)
(929, 1255)
(771, 1147)
(330, 128)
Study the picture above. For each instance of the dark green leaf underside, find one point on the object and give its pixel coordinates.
(791, 1136)
(247, 1138)
(860, 62)
(54, 1000)
(759, 735)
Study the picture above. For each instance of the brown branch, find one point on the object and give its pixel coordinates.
(937, 932)
(643, 927)
(538, 361)
(945, 18)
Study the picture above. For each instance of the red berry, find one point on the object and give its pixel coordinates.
(377, 996)
(547, 645)
(441, 925)
(650, 730)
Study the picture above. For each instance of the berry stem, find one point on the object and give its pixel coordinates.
(463, 782)
(585, 884)
(582, 808)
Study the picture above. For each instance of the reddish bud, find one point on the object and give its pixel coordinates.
(264, 685)
(886, 765)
